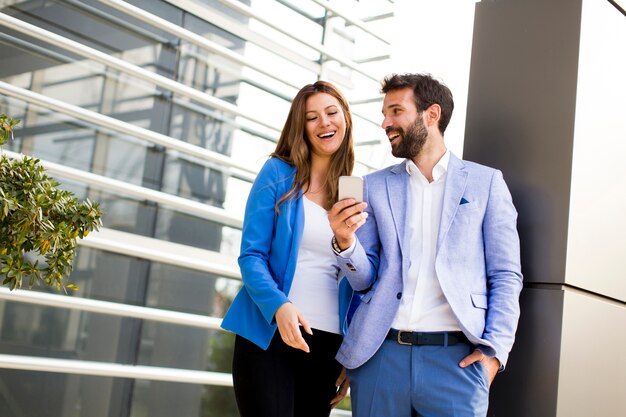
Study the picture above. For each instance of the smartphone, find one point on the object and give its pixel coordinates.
(351, 187)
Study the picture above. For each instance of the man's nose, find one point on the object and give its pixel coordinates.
(386, 123)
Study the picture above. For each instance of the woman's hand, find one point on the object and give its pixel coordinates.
(342, 385)
(289, 320)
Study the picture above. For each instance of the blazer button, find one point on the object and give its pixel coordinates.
(399, 295)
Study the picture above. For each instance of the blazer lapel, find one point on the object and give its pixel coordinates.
(455, 187)
(397, 195)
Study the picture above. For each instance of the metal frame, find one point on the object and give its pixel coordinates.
(187, 36)
(148, 76)
(125, 67)
(222, 162)
(182, 103)
(247, 11)
(157, 250)
(177, 203)
(152, 249)
(349, 19)
(78, 367)
(110, 308)
(206, 44)
(152, 373)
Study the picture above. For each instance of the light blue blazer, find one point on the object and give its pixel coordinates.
(269, 252)
(477, 259)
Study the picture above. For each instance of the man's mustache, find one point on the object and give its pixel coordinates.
(393, 129)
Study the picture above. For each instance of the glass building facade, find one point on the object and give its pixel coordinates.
(162, 111)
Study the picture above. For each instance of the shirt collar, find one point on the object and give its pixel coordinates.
(438, 170)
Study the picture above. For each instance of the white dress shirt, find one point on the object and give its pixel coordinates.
(314, 290)
(423, 306)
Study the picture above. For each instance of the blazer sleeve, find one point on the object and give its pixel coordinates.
(503, 268)
(256, 241)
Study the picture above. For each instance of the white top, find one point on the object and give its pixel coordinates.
(423, 306)
(315, 290)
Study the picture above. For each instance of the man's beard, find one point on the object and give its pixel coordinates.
(412, 142)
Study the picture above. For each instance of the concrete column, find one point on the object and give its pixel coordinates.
(546, 106)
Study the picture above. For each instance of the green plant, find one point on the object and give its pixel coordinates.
(39, 223)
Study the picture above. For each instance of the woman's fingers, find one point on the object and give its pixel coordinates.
(288, 319)
(305, 324)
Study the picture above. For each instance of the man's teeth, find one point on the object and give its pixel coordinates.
(392, 137)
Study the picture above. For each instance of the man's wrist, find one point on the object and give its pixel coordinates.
(335, 245)
(339, 247)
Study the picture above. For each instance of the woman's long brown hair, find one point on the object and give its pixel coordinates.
(293, 145)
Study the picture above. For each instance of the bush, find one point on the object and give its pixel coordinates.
(39, 223)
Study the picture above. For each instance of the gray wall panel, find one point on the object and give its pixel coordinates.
(528, 387)
(596, 247)
(592, 376)
(520, 117)
(545, 106)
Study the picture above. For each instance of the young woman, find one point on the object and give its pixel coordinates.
(290, 275)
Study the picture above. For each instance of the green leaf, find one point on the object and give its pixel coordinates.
(40, 219)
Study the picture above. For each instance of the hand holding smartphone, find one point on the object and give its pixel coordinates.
(351, 187)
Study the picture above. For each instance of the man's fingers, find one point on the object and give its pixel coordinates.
(341, 211)
(347, 221)
(475, 356)
(340, 205)
(356, 221)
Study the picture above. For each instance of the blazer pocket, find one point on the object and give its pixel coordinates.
(467, 207)
(479, 300)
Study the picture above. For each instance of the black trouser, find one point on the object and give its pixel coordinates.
(286, 382)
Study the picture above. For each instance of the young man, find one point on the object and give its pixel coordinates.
(436, 259)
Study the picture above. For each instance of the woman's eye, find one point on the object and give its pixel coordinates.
(310, 119)
(332, 113)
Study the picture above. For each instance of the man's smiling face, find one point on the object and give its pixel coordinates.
(403, 124)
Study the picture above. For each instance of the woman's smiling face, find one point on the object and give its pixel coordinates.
(325, 124)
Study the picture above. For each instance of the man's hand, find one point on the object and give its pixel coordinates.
(345, 217)
(289, 320)
(342, 384)
(492, 365)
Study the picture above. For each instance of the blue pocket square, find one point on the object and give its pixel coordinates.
(463, 201)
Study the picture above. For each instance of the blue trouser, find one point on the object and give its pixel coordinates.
(424, 381)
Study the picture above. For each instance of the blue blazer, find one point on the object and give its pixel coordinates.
(269, 252)
(477, 259)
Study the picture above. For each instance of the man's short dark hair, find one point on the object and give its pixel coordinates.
(426, 90)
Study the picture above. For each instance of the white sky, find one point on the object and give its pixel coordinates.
(435, 36)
